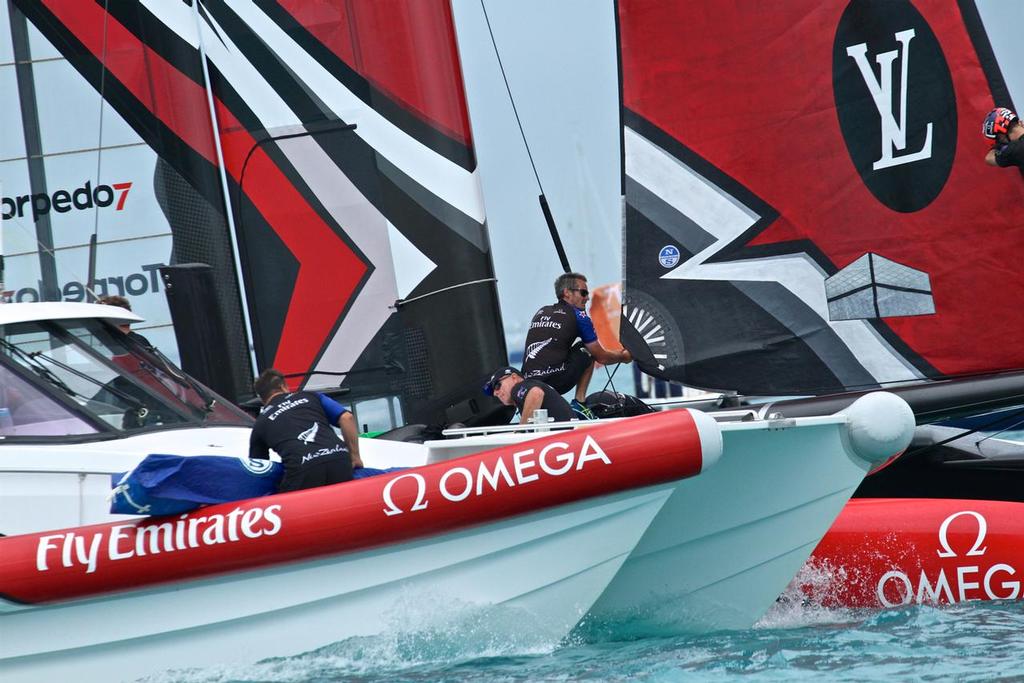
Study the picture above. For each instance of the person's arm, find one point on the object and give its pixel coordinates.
(258, 449)
(990, 157)
(534, 399)
(585, 328)
(341, 416)
(603, 355)
(332, 409)
(1010, 154)
(350, 432)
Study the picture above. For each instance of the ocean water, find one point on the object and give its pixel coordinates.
(794, 641)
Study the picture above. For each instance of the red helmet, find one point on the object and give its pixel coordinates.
(999, 120)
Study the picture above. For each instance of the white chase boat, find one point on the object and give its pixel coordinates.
(534, 532)
(620, 523)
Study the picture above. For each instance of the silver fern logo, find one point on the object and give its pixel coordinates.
(533, 349)
(310, 434)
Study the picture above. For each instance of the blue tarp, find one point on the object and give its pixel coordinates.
(172, 484)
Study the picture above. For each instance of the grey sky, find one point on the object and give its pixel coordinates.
(560, 61)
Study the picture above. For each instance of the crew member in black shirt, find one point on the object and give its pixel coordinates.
(509, 387)
(553, 354)
(297, 426)
(1005, 130)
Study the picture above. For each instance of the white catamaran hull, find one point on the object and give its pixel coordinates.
(722, 550)
(532, 578)
(523, 538)
(727, 543)
(715, 555)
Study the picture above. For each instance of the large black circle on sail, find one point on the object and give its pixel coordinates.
(895, 101)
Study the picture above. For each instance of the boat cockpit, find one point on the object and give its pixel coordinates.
(86, 378)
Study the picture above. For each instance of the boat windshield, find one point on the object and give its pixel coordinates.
(156, 371)
(90, 369)
(25, 410)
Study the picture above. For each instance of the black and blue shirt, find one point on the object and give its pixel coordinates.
(298, 426)
(552, 332)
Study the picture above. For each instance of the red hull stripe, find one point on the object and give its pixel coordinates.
(895, 551)
(329, 270)
(351, 517)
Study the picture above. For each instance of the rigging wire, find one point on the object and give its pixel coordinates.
(964, 433)
(545, 209)
(1013, 426)
(511, 99)
(611, 377)
(91, 275)
(402, 302)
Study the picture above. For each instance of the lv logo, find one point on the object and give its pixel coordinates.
(894, 133)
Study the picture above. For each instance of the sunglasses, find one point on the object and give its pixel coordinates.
(583, 292)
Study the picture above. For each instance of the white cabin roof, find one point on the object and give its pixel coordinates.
(62, 310)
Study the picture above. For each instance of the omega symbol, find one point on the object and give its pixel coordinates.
(976, 549)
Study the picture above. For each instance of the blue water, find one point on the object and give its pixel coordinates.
(967, 642)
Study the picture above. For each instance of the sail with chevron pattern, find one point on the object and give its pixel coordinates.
(807, 205)
(318, 155)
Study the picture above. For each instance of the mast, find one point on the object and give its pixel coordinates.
(229, 210)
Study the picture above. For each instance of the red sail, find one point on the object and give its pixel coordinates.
(808, 209)
(316, 155)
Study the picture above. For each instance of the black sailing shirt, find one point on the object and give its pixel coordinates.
(296, 426)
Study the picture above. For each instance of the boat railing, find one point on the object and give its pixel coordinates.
(741, 415)
(462, 432)
(744, 415)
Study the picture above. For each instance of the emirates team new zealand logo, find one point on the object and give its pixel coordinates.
(895, 100)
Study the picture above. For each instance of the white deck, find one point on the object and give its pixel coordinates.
(63, 310)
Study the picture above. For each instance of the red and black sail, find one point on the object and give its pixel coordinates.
(807, 206)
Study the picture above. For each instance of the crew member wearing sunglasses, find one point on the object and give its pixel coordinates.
(561, 344)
